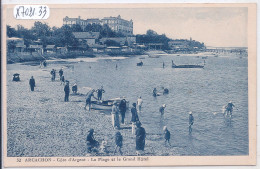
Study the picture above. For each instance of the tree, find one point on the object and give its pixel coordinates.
(41, 29)
(11, 32)
(76, 28)
(11, 46)
(151, 32)
(63, 37)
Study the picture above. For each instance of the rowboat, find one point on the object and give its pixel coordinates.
(140, 64)
(187, 66)
(106, 104)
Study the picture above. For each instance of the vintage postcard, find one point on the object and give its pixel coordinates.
(129, 84)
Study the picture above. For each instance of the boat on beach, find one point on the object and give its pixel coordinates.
(106, 105)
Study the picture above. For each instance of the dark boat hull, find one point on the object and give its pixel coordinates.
(187, 66)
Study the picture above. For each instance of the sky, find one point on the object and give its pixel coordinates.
(215, 26)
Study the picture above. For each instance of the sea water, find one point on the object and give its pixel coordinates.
(202, 91)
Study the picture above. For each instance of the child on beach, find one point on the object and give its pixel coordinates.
(119, 142)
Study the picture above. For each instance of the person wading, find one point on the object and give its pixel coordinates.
(167, 135)
(67, 91)
(32, 83)
(139, 104)
(161, 109)
(229, 108)
(191, 121)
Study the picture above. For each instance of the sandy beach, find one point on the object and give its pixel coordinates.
(41, 124)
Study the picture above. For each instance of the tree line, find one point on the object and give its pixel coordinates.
(63, 36)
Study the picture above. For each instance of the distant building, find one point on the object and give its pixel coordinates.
(90, 37)
(18, 44)
(116, 24)
(178, 44)
(128, 41)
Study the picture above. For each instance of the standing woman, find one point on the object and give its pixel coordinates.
(140, 138)
(134, 117)
(115, 116)
(32, 83)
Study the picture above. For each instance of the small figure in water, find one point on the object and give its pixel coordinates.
(88, 99)
(91, 142)
(161, 109)
(75, 88)
(100, 92)
(229, 108)
(163, 65)
(165, 91)
(154, 92)
(32, 83)
(116, 66)
(191, 121)
(167, 135)
(67, 91)
(139, 104)
(119, 142)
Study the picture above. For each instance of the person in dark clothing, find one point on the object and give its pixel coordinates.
(119, 142)
(167, 135)
(154, 92)
(191, 121)
(53, 75)
(140, 138)
(61, 73)
(134, 118)
(67, 91)
(32, 83)
(44, 63)
(229, 108)
(122, 109)
(88, 99)
(74, 88)
(100, 92)
(91, 142)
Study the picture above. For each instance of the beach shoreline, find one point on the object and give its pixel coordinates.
(43, 125)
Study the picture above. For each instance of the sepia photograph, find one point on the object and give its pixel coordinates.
(124, 85)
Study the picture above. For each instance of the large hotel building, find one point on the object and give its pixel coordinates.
(117, 24)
